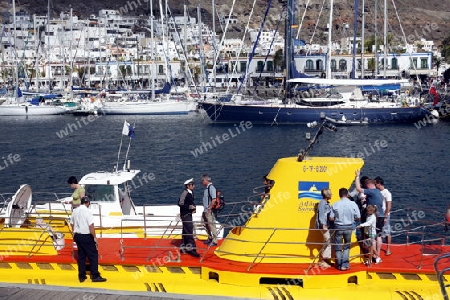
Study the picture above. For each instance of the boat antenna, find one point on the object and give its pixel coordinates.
(321, 126)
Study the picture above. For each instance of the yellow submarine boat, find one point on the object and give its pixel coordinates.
(270, 252)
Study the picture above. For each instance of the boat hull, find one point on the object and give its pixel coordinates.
(289, 114)
(31, 110)
(149, 108)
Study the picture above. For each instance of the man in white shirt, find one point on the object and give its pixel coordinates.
(387, 206)
(83, 229)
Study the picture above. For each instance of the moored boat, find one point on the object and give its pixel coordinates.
(27, 109)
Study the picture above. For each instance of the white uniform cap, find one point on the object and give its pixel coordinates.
(191, 180)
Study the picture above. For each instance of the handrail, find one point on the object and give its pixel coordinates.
(440, 274)
(262, 248)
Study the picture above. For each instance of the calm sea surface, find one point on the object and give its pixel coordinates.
(414, 162)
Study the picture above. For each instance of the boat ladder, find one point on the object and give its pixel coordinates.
(442, 267)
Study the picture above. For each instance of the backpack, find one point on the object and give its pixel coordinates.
(220, 201)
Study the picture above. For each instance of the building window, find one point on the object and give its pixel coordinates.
(260, 66)
(342, 65)
(270, 66)
(333, 65)
(424, 63)
(413, 63)
(394, 63)
(309, 65)
(319, 65)
(160, 69)
(243, 66)
(359, 64)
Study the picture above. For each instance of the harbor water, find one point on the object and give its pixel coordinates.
(44, 151)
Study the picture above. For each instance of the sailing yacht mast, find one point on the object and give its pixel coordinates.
(214, 43)
(152, 52)
(330, 25)
(385, 40)
(363, 48)
(16, 75)
(355, 31)
(376, 33)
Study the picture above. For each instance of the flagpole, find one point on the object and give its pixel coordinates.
(118, 154)
(128, 149)
(124, 128)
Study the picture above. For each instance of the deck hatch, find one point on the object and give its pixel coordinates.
(109, 268)
(153, 269)
(67, 267)
(175, 270)
(45, 266)
(25, 266)
(410, 276)
(386, 276)
(4, 265)
(195, 270)
(131, 268)
(433, 277)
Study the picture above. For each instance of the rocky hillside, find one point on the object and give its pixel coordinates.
(419, 19)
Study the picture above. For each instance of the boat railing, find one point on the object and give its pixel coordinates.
(5, 198)
(441, 268)
(38, 236)
(168, 233)
(424, 233)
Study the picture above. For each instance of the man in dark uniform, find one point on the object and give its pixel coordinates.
(187, 208)
(84, 235)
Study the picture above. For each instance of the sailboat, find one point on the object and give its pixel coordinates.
(287, 111)
(135, 102)
(14, 107)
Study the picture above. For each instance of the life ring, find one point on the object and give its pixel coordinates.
(407, 92)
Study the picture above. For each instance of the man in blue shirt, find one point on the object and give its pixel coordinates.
(373, 197)
(344, 213)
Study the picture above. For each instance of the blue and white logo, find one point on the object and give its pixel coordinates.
(311, 189)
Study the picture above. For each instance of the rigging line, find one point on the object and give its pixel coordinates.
(183, 52)
(315, 27)
(301, 20)
(270, 47)
(406, 43)
(223, 36)
(255, 44)
(275, 118)
(238, 54)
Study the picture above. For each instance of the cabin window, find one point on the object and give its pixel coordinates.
(309, 65)
(342, 65)
(333, 65)
(100, 193)
(394, 63)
